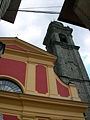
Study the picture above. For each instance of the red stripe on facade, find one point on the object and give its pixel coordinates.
(13, 68)
(62, 90)
(15, 47)
(9, 117)
(41, 79)
(41, 118)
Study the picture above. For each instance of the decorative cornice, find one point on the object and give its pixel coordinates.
(30, 54)
(74, 79)
(60, 26)
(26, 99)
(66, 46)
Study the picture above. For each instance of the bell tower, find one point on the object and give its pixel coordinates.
(69, 66)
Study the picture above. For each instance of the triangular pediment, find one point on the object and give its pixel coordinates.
(14, 43)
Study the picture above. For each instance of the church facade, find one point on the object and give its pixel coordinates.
(69, 66)
(31, 90)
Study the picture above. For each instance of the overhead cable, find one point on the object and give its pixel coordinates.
(36, 11)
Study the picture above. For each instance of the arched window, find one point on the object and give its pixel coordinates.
(10, 86)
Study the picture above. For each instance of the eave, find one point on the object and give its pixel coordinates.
(70, 14)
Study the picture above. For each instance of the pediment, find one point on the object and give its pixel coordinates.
(14, 43)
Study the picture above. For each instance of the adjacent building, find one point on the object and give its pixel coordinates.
(30, 89)
(8, 9)
(76, 12)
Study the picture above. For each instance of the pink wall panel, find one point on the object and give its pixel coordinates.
(13, 68)
(62, 90)
(41, 79)
(9, 117)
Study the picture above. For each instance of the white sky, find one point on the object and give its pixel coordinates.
(32, 27)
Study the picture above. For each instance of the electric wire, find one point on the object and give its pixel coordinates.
(28, 9)
(36, 11)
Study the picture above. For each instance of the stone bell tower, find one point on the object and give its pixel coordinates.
(69, 66)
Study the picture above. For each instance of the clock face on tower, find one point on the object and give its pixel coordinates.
(7, 85)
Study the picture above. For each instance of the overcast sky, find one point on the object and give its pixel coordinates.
(32, 27)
